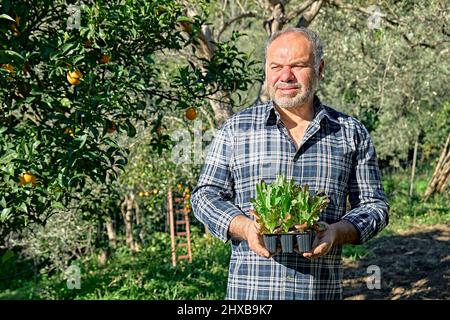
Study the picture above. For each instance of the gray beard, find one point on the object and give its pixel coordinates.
(298, 100)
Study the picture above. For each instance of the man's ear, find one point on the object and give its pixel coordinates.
(321, 69)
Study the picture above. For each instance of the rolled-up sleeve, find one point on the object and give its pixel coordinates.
(212, 198)
(369, 208)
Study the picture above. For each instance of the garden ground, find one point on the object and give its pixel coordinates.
(414, 264)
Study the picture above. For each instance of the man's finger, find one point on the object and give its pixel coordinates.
(318, 251)
(257, 246)
(263, 252)
(276, 252)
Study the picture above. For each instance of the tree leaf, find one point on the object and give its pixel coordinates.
(5, 16)
(12, 53)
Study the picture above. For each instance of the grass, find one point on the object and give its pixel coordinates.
(355, 253)
(407, 211)
(147, 275)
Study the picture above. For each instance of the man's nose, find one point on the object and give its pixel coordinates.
(286, 74)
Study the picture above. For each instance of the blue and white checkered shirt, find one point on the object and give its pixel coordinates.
(336, 155)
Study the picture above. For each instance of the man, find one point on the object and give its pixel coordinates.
(294, 135)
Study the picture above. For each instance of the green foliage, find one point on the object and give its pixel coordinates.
(286, 205)
(406, 208)
(389, 77)
(144, 275)
(436, 130)
(57, 131)
(355, 253)
(230, 70)
(72, 136)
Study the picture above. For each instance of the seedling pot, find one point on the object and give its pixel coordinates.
(304, 241)
(270, 241)
(287, 242)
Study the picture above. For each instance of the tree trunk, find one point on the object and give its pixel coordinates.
(221, 106)
(127, 212)
(441, 174)
(308, 16)
(277, 19)
(112, 237)
(205, 49)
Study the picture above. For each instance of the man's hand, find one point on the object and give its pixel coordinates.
(255, 239)
(323, 242)
(329, 235)
(244, 228)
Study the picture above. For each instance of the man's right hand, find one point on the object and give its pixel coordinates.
(243, 228)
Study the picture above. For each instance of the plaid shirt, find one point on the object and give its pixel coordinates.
(335, 155)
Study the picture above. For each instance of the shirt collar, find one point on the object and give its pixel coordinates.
(320, 112)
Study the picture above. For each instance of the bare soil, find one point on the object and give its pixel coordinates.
(414, 265)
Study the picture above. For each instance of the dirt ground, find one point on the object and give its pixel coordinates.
(414, 264)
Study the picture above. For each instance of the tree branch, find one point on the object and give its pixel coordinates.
(391, 24)
(433, 45)
(234, 19)
(306, 19)
(277, 20)
(299, 10)
(346, 6)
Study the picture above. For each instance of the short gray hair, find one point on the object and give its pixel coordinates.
(308, 34)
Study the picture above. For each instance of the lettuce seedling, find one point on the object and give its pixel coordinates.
(306, 208)
(285, 206)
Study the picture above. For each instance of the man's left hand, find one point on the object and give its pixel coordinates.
(323, 242)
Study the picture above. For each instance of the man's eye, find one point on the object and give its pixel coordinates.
(276, 68)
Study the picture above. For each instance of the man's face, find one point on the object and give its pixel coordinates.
(290, 75)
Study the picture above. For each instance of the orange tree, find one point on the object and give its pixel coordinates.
(73, 80)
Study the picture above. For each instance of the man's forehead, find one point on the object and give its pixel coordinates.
(288, 38)
(294, 45)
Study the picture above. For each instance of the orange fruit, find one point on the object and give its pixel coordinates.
(191, 113)
(179, 186)
(105, 59)
(27, 178)
(158, 130)
(73, 77)
(141, 194)
(155, 191)
(69, 132)
(8, 68)
(187, 190)
(146, 193)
